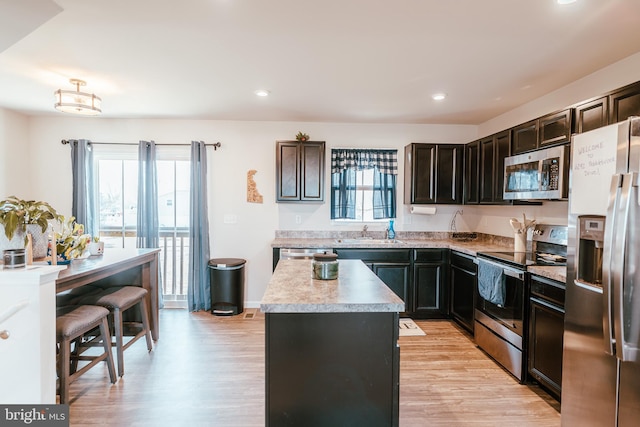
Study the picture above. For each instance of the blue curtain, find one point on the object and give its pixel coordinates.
(147, 228)
(384, 195)
(84, 200)
(198, 291)
(343, 194)
(344, 165)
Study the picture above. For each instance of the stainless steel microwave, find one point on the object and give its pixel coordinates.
(538, 175)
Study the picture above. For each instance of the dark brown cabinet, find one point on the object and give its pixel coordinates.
(392, 266)
(552, 129)
(555, 128)
(433, 173)
(471, 173)
(496, 149)
(624, 103)
(300, 171)
(331, 369)
(430, 290)
(546, 329)
(525, 137)
(591, 115)
(463, 281)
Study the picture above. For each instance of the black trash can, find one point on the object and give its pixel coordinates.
(227, 286)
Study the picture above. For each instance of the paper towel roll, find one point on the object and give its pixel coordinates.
(423, 210)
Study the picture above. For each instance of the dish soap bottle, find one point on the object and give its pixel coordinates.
(391, 233)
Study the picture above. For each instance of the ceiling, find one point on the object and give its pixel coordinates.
(365, 61)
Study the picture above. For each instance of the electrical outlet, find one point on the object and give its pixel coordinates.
(298, 219)
(230, 219)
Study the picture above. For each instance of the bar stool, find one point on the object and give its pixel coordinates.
(118, 299)
(72, 322)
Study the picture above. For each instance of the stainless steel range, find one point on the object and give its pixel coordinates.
(501, 301)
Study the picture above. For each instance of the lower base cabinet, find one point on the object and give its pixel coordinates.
(546, 330)
(464, 281)
(430, 290)
(392, 266)
(332, 369)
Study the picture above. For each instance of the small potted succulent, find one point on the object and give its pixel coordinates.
(302, 137)
(96, 247)
(19, 217)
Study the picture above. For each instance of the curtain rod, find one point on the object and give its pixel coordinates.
(69, 141)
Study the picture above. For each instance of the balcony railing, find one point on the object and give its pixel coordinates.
(174, 256)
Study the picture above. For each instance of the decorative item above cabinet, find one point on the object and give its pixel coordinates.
(300, 171)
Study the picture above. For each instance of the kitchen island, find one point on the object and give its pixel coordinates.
(331, 347)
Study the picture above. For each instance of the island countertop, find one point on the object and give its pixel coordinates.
(357, 289)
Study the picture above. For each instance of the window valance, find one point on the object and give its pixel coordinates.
(386, 161)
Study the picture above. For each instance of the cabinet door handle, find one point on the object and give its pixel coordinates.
(455, 168)
(432, 172)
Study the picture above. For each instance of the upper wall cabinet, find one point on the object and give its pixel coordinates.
(612, 108)
(493, 151)
(591, 115)
(433, 173)
(552, 129)
(484, 169)
(525, 137)
(472, 173)
(624, 103)
(300, 171)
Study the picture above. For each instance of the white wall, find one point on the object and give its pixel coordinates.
(614, 76)
(46, 173)
(15, 165)
(245, 146)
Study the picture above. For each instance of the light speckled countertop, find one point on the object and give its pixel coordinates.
(471, 247)
(554, 273)
(357, 289)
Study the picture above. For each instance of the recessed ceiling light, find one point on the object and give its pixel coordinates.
(566, 1)
(262, 92)
(438, 96)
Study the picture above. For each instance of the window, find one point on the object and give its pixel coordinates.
(116, 169)
(363, 184)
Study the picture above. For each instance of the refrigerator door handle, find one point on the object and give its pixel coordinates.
(625, 279)
(607, 271)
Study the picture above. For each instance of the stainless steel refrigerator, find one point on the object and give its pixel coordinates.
(601, 358)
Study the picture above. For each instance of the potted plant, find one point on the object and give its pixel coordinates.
(71, 241)
(302, 136)
(96, 247)
(19, 216)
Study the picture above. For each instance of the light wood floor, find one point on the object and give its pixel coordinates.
(209, 371)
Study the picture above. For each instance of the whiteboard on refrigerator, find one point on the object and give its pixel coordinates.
(593, 163)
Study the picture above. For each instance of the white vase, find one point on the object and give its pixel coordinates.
(96, 248)
(520, 242)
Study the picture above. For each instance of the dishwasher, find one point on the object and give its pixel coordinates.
(297, 253)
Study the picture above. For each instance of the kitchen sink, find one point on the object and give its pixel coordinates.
(368, 241)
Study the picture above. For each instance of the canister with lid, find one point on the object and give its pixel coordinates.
(14, 258)
(325, 266)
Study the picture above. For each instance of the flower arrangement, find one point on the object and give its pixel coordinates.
(302, 136)
(71, 241)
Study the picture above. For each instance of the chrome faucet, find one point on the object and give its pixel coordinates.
(364, 230)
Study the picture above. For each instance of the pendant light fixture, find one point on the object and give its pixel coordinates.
(77, 102)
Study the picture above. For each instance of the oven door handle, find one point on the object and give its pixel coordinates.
(511, 272)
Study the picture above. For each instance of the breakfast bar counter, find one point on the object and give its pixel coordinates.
(332, 356)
